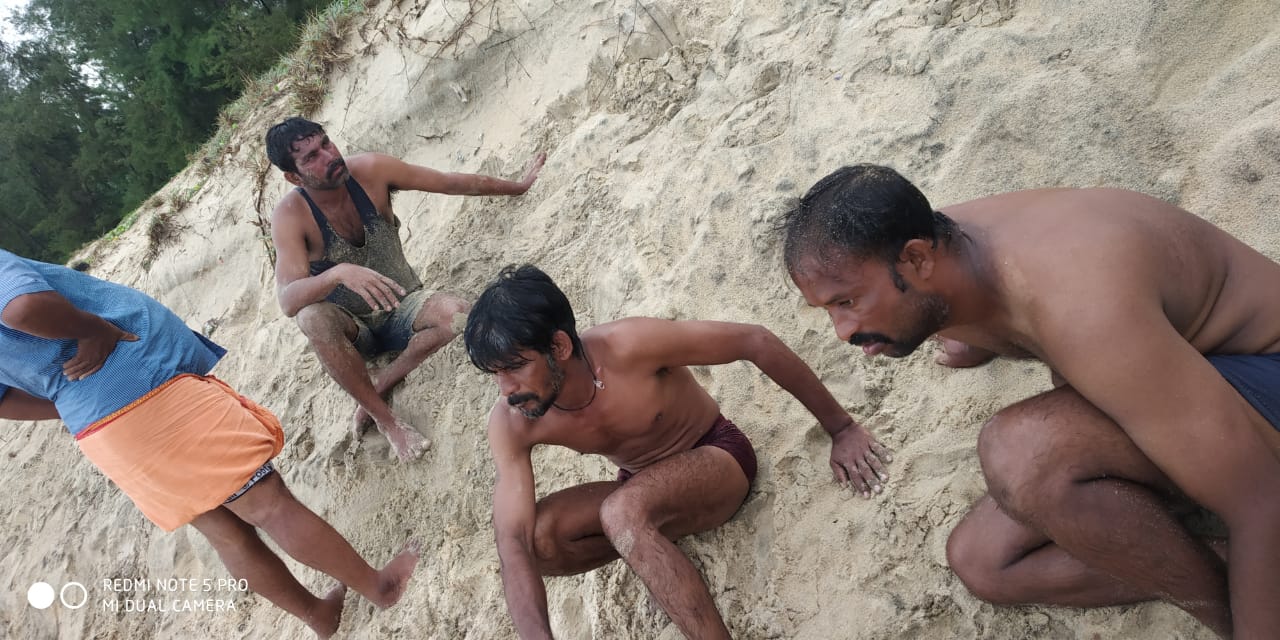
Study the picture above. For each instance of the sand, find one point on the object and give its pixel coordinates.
(677, 133)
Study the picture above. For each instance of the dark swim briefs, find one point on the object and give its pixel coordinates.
(722, 435)
(1257, 378)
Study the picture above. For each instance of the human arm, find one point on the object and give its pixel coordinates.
(47, 314)
(16, 404)
(404, 176)
(296, 287)
(857, 459)
(514, 515)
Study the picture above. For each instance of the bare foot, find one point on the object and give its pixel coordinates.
(394, 577)
(405, 440)
(360, 423)
(326, 616)
(959, 355)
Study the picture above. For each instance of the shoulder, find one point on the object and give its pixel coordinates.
(507, 429)
(291, 208)
(625, 338)
(371, 166)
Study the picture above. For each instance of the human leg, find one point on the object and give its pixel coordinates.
(1005, 562)
(332, 333)
(568, 537)
(1058, 466)
(430, 328)
(248, 558)
(270, 506)
(685, 493)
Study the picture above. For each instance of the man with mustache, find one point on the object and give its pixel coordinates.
(623, 390)
(1163, 336)
(341, 270)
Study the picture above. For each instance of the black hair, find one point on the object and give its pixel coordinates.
(280, 139)
(521, 310)
(865, 210)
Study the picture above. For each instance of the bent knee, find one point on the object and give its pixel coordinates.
(1022, 454)
(622, 516)
(978, 566)
(446, 310)
(322, 320)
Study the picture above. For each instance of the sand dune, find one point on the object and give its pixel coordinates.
(678, 131)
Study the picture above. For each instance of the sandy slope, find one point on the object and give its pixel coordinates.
(677, 132)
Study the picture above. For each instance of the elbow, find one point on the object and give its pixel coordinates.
(16, 313)
(763, 342)
(288, 305)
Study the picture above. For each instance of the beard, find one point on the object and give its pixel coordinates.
(335, 175)
(928, 315)
(542, 405)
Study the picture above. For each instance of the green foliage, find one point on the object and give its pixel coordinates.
(108, 98)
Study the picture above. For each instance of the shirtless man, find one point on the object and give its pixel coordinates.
(622, 390)
(341, 271)
(129, 380)
(1163, 333)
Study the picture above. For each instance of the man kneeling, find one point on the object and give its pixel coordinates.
(622, 390)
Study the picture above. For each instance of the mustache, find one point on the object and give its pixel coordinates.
(335, 165)
(521, 398)
(859, 339)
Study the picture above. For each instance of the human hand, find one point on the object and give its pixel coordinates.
(535, 166)
(858, 460)
(92, 351)
(378, 291)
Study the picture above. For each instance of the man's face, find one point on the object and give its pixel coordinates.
(320, 164)
(534, 386)
(867, 309)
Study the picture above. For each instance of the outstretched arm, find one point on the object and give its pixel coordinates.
(49, 315)
(404, 176)
(514, 515)
(16, 404)
(857, 458)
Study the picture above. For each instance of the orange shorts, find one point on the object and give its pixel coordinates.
(183, 448)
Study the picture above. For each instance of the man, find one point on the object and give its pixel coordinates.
(128, 379)
(1163, 333)
(341, 271)
(623, 390)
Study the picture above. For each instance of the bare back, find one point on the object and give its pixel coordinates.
(1123, 295)
(1053, 251)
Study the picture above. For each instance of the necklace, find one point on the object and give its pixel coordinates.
(596, 385)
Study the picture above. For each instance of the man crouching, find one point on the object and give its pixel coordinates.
(622, 390)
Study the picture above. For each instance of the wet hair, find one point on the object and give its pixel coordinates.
(520, 311)
(280, 139)
(866, 211)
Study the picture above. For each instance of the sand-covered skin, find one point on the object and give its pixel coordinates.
(677, 133)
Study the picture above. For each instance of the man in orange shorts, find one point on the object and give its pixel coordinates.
(129, 379)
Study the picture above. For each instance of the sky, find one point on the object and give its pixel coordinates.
(7, 7)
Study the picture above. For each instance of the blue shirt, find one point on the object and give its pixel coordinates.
(165, 348)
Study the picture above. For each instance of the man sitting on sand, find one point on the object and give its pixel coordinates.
(129, 380)
(341, 271)
(1163, 333)
(623, 390)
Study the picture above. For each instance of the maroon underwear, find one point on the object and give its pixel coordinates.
(722, 435)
